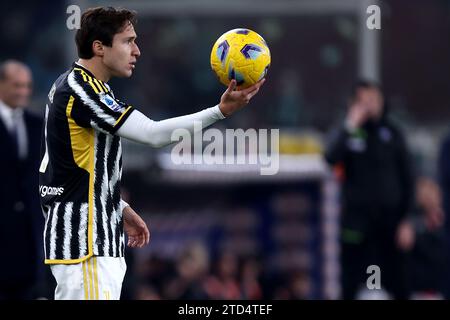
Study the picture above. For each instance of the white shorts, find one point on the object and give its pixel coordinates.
(97, 278)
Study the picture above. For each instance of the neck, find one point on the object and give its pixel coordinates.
(95, 68)
(9, 106)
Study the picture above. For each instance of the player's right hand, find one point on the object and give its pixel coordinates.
(233, 100)
(135, 228)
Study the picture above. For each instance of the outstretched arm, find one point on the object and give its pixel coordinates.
(140, 128)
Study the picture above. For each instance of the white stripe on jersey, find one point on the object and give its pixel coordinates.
(68, 211)
(46, 215)
(99, 112)
(94, 124)
(53, 230)
(122, 241)
(94, 210)
(83, 229)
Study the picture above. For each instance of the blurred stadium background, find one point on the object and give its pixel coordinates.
(226, 231)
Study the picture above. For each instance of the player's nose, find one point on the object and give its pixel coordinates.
(136, 51)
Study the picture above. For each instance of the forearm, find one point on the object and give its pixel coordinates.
(140, 128)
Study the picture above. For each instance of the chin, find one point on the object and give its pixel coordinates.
(127, 73)
(123, 74)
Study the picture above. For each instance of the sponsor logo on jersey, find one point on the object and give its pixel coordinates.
(50, 191)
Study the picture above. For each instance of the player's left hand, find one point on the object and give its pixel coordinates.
(135, 228)
(232, 100)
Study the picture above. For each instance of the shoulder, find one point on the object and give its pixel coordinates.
(83, 83)
(395, 127)
(33, 118)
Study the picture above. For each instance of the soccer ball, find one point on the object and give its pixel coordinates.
(240, 54)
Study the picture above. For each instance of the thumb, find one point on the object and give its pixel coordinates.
(231, 86)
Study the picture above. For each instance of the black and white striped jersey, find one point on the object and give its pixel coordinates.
(81, 169)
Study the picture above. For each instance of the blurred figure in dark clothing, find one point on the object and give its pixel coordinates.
(424, 238)
(192, 268)
(22, 222)
(377, 191)
(444, 181)
(224, 282)
(250, 275)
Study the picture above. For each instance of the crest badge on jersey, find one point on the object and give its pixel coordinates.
(110, 102)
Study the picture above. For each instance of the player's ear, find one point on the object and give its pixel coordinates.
(97, 48)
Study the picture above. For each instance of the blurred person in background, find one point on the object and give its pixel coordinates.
(223, 283)
(377, 179)
(250, 279)
(21, 227)
(444, 181)
(422, 236)
(192, 268)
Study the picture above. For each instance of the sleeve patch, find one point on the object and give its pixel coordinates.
(110, 102)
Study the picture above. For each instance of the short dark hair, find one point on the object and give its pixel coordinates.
(101, 24)
(363, 84)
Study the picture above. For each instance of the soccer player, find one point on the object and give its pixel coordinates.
(81, 165)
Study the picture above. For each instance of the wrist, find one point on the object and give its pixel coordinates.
(223, 110)
(218, 111)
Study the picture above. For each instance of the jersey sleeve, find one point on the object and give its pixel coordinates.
(96, 107)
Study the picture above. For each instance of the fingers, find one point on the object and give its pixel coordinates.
(231, 86)
(142, 240)
(139, 240)
(251, 94)
(254, 87)
(131, 241)
(147, 235)
(135, 241)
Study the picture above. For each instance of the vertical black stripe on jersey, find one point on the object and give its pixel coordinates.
(99, 173)
(74, 240)
(118, 234)
(114, 198)
(117, 208)
(47, 232)
(59, 240)
(120, 226)
(118, 231)
(110, 164)
(110, 215)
